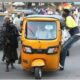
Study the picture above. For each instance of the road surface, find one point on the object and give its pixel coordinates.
(72, 68)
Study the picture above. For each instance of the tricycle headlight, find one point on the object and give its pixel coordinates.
(52, 50)
(27, 49)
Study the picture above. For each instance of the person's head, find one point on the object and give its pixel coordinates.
(66, 12)
(18, 16)
(7, 19)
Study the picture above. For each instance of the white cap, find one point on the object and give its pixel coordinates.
(6, 17)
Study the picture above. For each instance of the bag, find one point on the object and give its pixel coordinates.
(65, 35)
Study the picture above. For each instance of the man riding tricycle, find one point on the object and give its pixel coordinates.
(41, 44)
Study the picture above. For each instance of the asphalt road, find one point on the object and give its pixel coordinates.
(72, 68)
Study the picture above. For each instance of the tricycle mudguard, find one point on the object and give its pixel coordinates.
(38, 63)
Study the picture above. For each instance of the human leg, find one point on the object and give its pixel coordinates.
(19, 60)
(12, 66)
(66, 47)
(7, 65)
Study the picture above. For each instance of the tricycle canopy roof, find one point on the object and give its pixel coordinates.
(46, 16)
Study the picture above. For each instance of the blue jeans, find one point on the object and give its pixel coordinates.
(66, 47)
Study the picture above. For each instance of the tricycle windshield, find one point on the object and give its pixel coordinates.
(41, 30)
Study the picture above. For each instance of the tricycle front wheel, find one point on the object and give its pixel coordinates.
(38, 72)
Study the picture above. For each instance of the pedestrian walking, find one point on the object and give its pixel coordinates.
(10, 43)
(17, 22)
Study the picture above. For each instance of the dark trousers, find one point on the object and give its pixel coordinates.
(66, 47)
